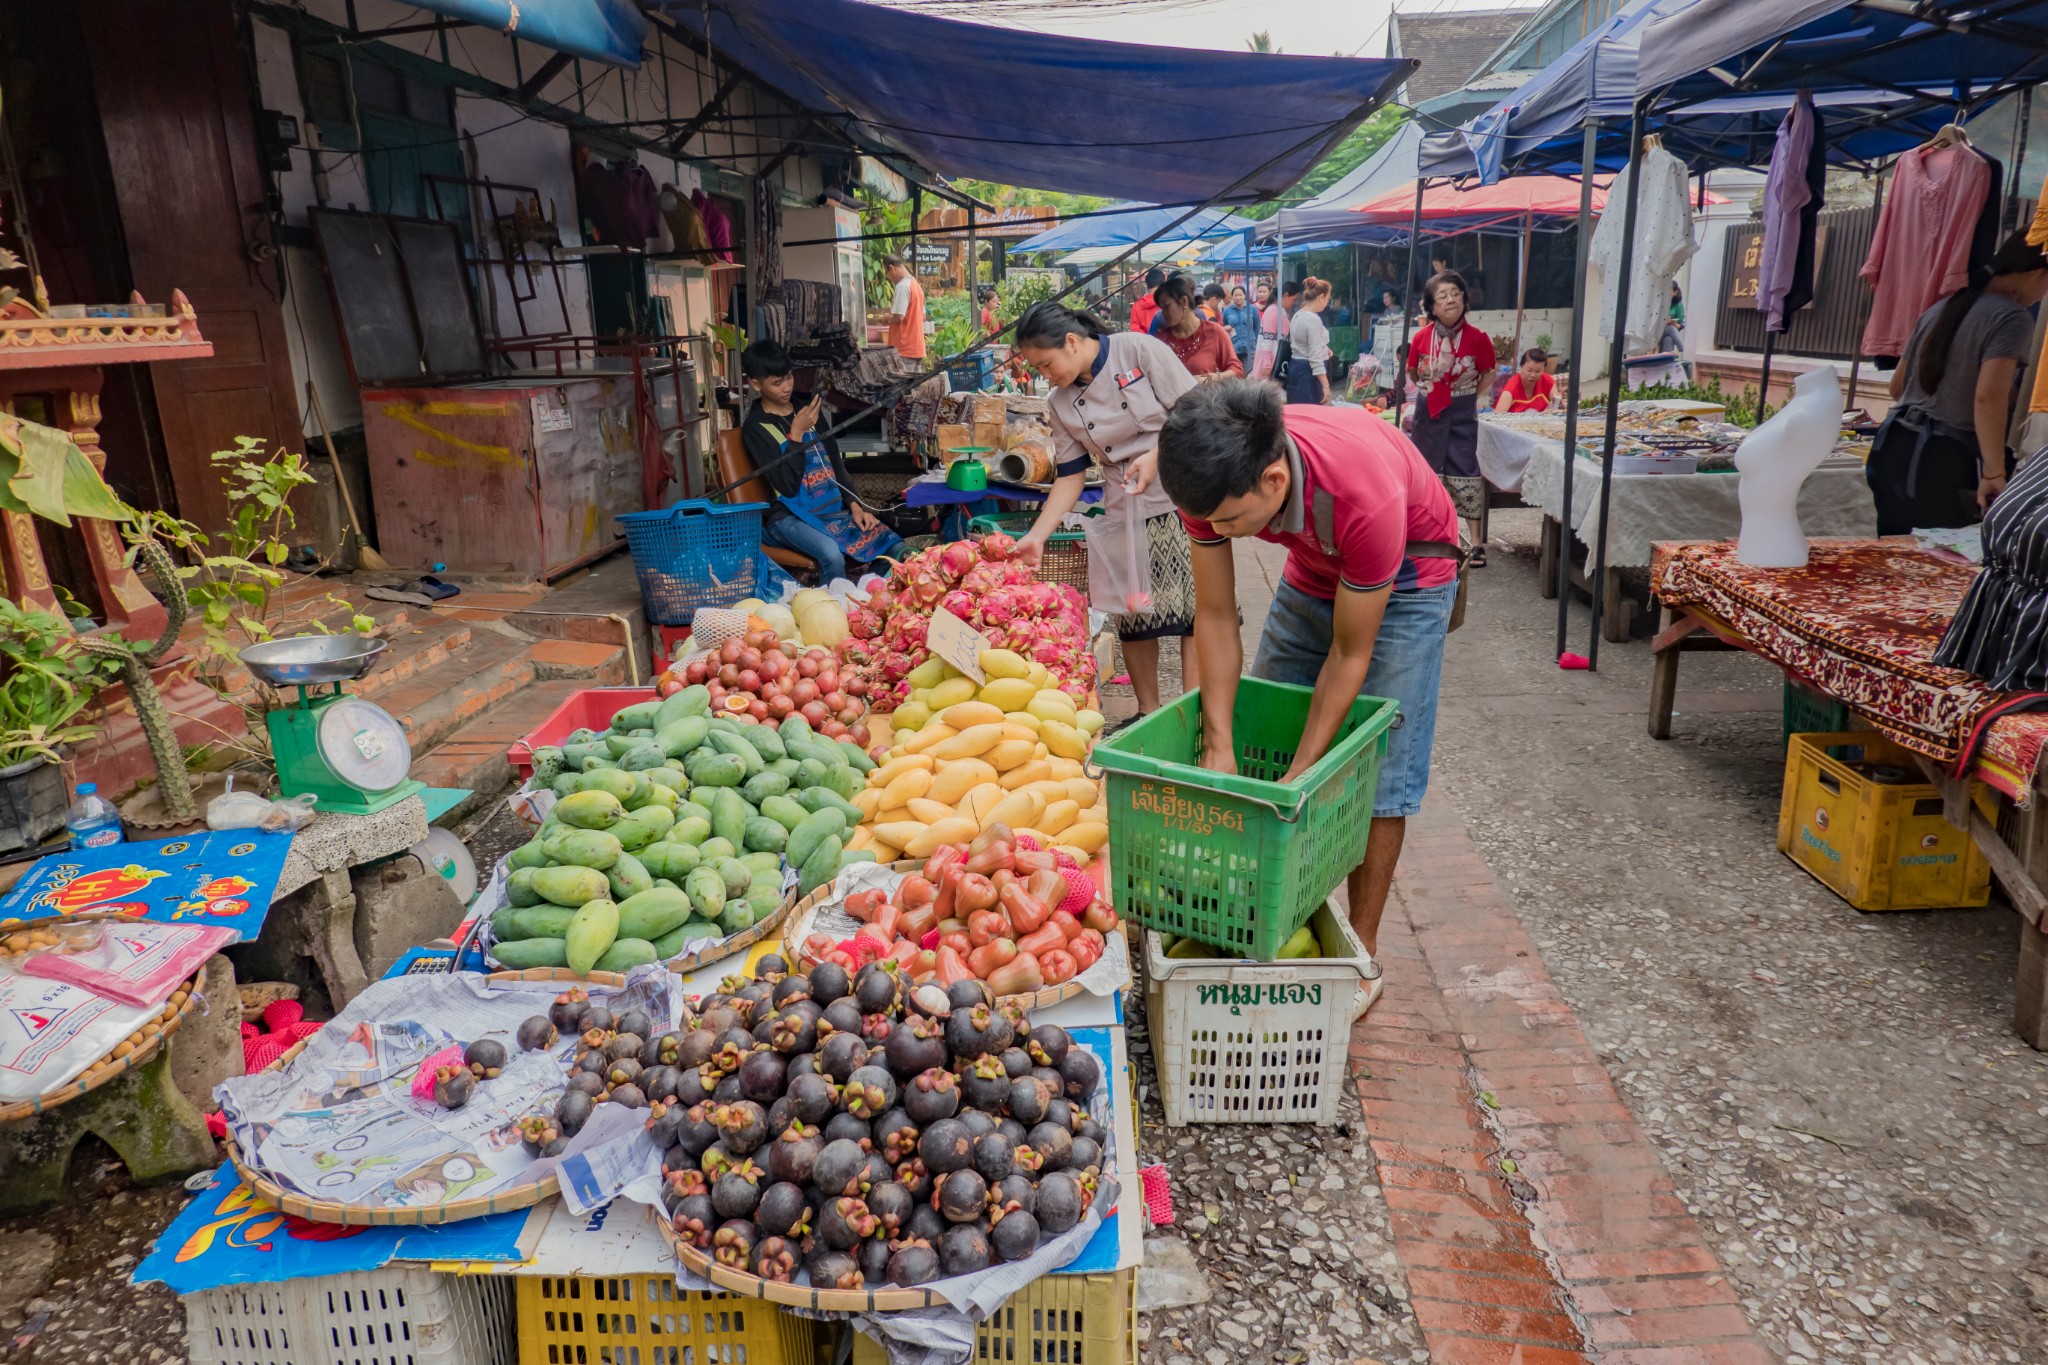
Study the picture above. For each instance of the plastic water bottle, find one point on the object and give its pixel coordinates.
(92, 820)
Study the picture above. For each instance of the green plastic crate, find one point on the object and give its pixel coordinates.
(1808, 712)
(1241, 862)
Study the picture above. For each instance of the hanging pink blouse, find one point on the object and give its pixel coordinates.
(1921, 250)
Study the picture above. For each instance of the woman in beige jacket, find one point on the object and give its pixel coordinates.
(1111, 394)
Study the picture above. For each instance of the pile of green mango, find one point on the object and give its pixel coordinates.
(673, 827)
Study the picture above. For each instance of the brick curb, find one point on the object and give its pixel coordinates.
(1534, 1220)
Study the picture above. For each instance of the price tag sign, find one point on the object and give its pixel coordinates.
(958, 643)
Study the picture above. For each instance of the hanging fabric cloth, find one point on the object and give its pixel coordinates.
(1801, 292)
(1921, 249)
(1663, 244)
(1788, 191)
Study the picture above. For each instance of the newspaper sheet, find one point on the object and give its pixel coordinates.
(339, 1122)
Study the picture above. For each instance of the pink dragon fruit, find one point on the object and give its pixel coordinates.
(1048, 651)
(984, 577)
(999, 607)
(882, 601)
(1019, 636)
(896, 665)
(959, 603)
(1077, 688)
(863, 624)
(997, 546)
(911, 631)
(955, 559)
(1016, 575)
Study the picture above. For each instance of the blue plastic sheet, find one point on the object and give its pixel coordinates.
(608, 31)
(1125, 120)
(222, 879)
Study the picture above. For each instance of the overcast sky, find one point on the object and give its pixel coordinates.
(1313, 27)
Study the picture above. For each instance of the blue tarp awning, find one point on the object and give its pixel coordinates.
(1713, 48)
(608, 31)
(1046, 111)
(1137, 224)
(1540, 127)
(1232, 255)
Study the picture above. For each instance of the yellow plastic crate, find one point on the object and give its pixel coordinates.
(646, 1320)
(1054, 1320)
(1878, 843)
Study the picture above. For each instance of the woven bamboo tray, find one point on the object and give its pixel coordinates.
(131, 1052)
(891, 1299)
(713, 951)
(802, 913)
(737, 943)
(363, 1215)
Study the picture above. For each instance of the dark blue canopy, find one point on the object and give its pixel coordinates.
(1118, 119)
(1539, 128)
(1715, 48)
(609, 31)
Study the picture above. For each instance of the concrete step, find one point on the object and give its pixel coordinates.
(593, 664)
(415, 648)
(473, 757)
(436, 702)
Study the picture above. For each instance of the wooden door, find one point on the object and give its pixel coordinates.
(175, 108)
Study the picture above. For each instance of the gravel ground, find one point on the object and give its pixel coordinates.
(64, 1292)
(1287, 1226)
(1838, 1096)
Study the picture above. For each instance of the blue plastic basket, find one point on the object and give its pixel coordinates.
(971, 371)
(695, 554)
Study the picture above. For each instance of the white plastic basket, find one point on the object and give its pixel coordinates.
(400, 1315)
(1257, 1042)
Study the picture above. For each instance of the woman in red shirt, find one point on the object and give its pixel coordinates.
(1448, 361)
(1532, 388)
(1203, 346)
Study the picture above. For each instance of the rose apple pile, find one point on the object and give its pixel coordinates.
(758, 678)
(1001, 910)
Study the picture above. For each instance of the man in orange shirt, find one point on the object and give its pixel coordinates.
(906, 310)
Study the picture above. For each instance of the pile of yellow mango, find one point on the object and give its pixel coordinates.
(966, 756)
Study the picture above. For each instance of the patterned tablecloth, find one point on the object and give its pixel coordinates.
(1860, 622)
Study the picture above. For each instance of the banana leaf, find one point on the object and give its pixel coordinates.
(42, 471)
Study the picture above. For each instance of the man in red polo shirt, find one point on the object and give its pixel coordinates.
(1366, 596)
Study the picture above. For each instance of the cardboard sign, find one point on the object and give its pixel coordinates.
(958, 643)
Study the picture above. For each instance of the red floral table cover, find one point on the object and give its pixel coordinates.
(1860, 622)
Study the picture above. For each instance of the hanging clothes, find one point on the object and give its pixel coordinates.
(622, 201)
(1984, 241)
(717, 226)
(1921, 249)
(1787, 192)
(1801, 291)
(1663, 244)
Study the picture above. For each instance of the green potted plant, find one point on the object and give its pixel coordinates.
(46, 682)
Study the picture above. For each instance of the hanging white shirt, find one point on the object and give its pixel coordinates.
(1663, 244)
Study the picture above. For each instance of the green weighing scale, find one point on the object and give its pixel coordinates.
(967, 474)
(351, 755)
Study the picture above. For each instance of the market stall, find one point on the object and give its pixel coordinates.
(1859, 625)
(1674, 479)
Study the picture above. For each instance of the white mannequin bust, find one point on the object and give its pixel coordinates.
(1773, 462)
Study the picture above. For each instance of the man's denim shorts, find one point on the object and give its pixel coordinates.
(1407, 665)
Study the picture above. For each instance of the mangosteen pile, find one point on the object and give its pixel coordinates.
(856, 1131)
(618, 1059)
(484, 1060)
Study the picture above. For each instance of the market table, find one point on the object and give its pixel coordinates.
(1860, 623)
(1647, 508)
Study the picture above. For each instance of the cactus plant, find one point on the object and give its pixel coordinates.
(134, 662)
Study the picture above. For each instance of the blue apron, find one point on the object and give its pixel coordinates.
(818, 504)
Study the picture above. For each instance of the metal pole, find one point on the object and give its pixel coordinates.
(1616, 352)
(1571, 380)
(973, 268)
(1763, 386)
(1522, 287)
(1863, 313)
(916, 212)
(1408, 304)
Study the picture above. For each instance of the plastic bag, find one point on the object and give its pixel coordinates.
(137, 964)
(1119, 554)
(246, 810)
